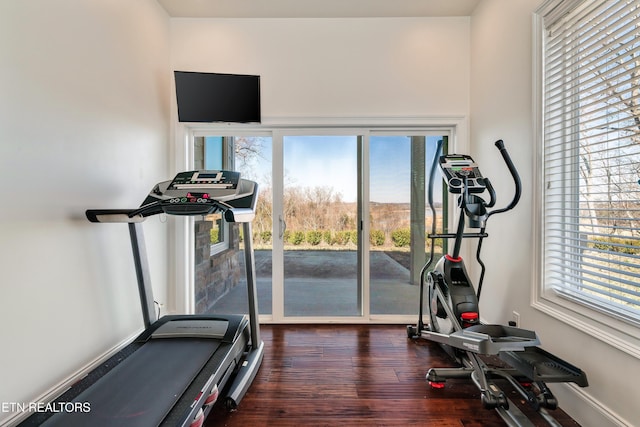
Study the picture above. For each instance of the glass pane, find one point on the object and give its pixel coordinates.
(220, 278)
(400, 219)
(213, 152)
(320, 211)
(253, 157)
(217, 230)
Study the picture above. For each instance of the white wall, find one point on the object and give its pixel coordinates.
(84, 123)
(502, 107)
(336, 67)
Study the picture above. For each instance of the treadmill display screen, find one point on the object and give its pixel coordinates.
(215, 176)
(205, 180)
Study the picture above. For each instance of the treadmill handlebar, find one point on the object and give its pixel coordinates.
(230, 214)
(112, 215)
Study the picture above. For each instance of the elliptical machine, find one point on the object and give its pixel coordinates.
(453, 305)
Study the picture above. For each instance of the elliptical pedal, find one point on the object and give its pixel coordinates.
(540, 365)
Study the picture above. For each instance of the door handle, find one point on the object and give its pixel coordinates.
(282, 226)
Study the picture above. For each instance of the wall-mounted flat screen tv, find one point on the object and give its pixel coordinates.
(214, 97)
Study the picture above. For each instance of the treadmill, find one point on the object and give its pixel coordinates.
(174, 371)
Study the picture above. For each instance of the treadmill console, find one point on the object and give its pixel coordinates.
(458, 167)
(197, 193)
(216, 184)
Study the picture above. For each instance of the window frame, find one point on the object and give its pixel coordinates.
(610, 329)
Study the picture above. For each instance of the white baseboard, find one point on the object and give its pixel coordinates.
(583, 408)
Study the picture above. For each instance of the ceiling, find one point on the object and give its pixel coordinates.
(317, 8)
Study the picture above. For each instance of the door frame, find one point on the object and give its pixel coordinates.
(181, 289)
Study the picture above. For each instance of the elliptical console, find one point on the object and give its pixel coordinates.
(458, 168)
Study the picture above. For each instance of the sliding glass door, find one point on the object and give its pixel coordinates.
(399, 218)
(320, 210)
(340, 228)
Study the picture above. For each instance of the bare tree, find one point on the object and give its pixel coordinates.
(608, 143)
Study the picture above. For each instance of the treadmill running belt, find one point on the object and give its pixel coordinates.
(142, 389)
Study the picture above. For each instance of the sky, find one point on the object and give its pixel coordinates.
(331, 161)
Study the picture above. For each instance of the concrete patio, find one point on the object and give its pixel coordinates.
(324, 283)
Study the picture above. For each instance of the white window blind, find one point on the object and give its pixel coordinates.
(591, 156)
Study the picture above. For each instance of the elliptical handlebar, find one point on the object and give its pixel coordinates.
(514, 174)
(432, 174)
(492, 193)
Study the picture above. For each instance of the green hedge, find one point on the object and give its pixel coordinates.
(327, 237)
(401, 237)
(376, 237)
(341, 237)
(265, 236)
(296, 237)
(616, 244)
(314, 237)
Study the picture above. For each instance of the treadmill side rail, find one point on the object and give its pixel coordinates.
(245, 376)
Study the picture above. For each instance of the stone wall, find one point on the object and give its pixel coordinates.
(215, 275)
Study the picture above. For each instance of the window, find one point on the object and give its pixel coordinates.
(218, 270)
(590, 161)
(210, 153)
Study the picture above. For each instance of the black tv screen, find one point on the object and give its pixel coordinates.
(214, 97)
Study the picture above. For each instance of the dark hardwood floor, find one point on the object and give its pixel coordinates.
(356, 375)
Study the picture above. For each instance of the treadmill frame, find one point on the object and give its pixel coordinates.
(241, 354)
